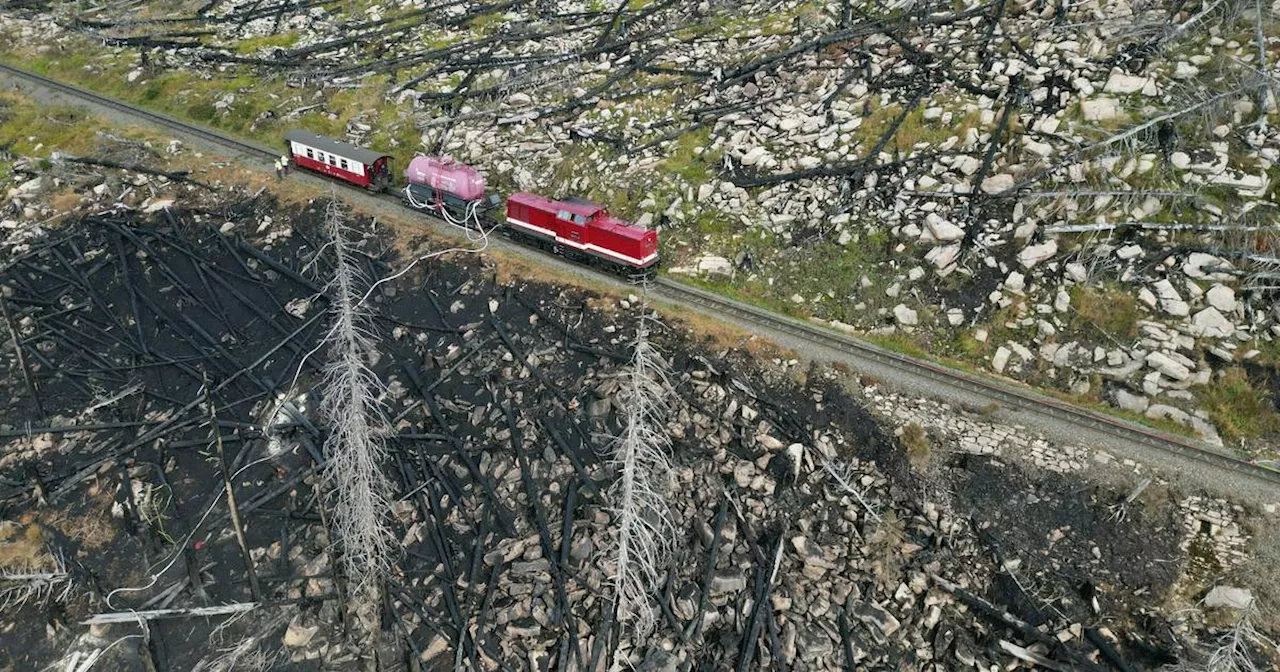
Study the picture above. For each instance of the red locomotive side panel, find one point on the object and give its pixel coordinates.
(536, 216)
(582, 226)
(624, 243)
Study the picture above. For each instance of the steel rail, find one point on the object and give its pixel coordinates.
(208, 135)
(978, 385)
(689, 296)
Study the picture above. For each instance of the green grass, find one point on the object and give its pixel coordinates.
(23, 127)
(1109, 309)
(697, 169)
(900, 343)
(819, 269)
(253, 44)
(1239, 410)
(186, 95)
(913, 129)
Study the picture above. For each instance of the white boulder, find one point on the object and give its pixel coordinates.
(1168, 366)
(1100, 109)
(1120, 82)
(998, 183)
(1221, 297)
(1034, 254)
(1062, 301)
(943, 255)
(1228, 596)
(1203, 266)
(1166, 412)
(940, 229)
(713, 265)
(1132, 402)
(1000, 359)
(754, 156)
(1211, 324)
(905, 316)
(967, 165)
(1170, 301)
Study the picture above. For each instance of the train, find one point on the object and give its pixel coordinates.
(574, 228)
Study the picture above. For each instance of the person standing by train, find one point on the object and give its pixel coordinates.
(284, 164)
(279, 170)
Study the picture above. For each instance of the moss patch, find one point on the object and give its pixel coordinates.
(253, 44)
(1239, 409)
(1108, 309)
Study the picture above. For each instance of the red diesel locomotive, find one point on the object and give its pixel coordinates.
(579, 228)
(573, 228)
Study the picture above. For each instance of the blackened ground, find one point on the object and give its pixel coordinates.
(1065, 543)
(494, 395)
(163, 303)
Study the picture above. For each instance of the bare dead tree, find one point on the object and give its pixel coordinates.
(257, 650)
(1239, 648)
(354, 448)
(845, 478)
(645, 530)
(37, 582)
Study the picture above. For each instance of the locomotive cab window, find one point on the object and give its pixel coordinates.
(579, 219)
(565, 215)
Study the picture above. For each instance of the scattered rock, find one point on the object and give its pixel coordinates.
(1034, 254)
(905, 316)
(1168, 366)
(1229, 597)
(1221, 297)
(1100, 109)
(298, 636)
(998, 183)
(1211, 324)
(1170, 301)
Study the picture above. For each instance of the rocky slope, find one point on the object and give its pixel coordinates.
(1075, 195)
(822, 524)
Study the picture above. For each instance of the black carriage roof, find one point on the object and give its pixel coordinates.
(346, 151)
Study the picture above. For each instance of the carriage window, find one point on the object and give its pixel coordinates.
(343, 163)
(333, 160)
(310, 155)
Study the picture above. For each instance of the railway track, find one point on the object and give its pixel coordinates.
(1007, 395)
(855, 350)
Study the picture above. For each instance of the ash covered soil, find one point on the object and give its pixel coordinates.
(808, 540)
